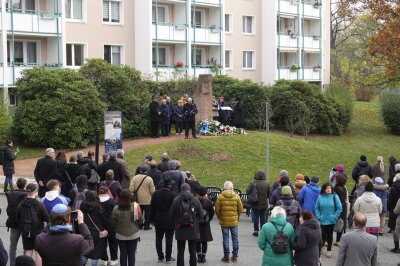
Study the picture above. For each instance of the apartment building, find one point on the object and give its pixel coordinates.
(262, 40)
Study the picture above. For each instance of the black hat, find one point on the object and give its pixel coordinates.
(31, 188)
(144, 168)
(315, 179)
(167, 181)
(202, 191)
(24, 260)
(149, 158)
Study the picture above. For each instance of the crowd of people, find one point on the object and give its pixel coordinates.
(95, 212)
(183, 115)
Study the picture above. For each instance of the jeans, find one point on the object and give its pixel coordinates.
(127, 249)
(235, 240)
(94, 262)
(8, 182)
(327, 235)
(179, 127)
(259, 218)
(14, 237)
(113, 246)
(169, 235)
(181, 252)
(146, 210)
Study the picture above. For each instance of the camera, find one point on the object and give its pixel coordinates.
(74, 215)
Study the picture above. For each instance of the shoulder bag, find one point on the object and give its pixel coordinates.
(102, 234)
(339, 222)
(135, 192)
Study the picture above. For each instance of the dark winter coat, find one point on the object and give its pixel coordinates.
(61, 248)
(190, 111)
(288, 200)
(3, 255)
(9, 157)
(114, 165)
(46, 169)
(84, 168)
(73, 171)
(262, 192)
(394, 196)
(178, 113)
(223, 114)
(237, 116)
(165, 114)
(392, 172)
(101, 171)
(14, 198)
(187, 232)
(97, 224)
(160, 205)
(341, 191)
(376, 171)
(361, 168)
(177, 177)
(43, 215)
(163, 166)
(308, 242)
(108, 206)
(278, 184)
(194, 186)
(62, 176)
(205, 229)
(155, 174)
(154, 109)
(277, 194)
(92, 164)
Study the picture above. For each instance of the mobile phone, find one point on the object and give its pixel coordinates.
(74, 215)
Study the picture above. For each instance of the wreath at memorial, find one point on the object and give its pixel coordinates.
(215, 128)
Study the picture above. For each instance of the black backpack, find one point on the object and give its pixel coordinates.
(252, 197)
(13, 200)
(29, 221)
(186, 211)
(280, 243)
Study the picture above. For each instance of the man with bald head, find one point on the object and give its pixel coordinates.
(190, 111)
(358, 247)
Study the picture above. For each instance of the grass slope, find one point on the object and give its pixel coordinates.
(246, 153)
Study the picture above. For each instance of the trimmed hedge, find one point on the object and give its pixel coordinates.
(390, 108)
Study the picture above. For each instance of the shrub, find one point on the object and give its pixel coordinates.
(122, 89)
(253, 95)
(344, 103)
(390, 109)
(5, 122)
(364, 94)
(60, 109)
(174, 89)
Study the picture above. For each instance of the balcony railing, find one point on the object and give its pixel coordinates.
(288, 74)
(288, 40)
(33, 21)
(312, 73)
(289, 6)
(14, 70)
(169, 72)
(312, 10)
(169, 32)
(208, 2)
(206, 34)
(312, 42)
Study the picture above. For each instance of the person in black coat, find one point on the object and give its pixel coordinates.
(160, 205)
(204, 225)
(72, 172)
(223, 114)
(155, 174)
(8, 164)
(394, 196)
(114, 165)
(308, 241)
(361, 168)
(341, 190)
(190, 111)
(155, 113)
(46, 169)
(392, 171)
(61, 160)
(178, 115)
(237, 115)
(84, 168)
(100, 168)
(165, 117)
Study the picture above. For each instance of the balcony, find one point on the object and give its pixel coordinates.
(169, 72)
(14, 71)
(169, 32)
(288, 6)
(33, 22)
(286, 40)
(312, 42)
(206, 34)
(311, 10)
(208, 2)
(288, 74)
(311, 73)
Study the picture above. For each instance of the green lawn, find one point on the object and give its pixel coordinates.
(246, 153)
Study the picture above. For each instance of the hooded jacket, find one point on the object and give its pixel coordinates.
(299, 183)
(52, 198)
(326, 211)
(160, 205)
(228, 208)
(371, 206)
(14, 198)
(266, 237)
(394, 195)
(361, 168)
(8, 165)
(382, 191)
(308, 241)
(262, 187)
(308, 196)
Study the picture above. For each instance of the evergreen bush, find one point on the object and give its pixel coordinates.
(390, 109)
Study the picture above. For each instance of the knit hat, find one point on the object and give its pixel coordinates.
(149, 158)
(144, 168)
(379, 181)
(24, 260)
(172, 164)
(340, 167)
(59, 208)
(31, 188)
(185, 187)
(299, 177)
(315, 179)
(286, 190)
(202, 191)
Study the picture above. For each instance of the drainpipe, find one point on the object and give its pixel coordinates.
(4, 49)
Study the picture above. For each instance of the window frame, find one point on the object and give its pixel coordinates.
(121, 12)
(167, 54)
(253, 60)
(253, 28)
(203, 51)
(202, 18)
(230, 17)
(15, 97)
(25, 52)
(122, 52)
(166, 7)
(84, 13)
(73, 54)
(230, 67)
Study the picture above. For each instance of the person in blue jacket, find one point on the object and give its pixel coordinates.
(53, 196)
(309, 194)
(327, 210)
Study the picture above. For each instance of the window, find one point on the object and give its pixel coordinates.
(228, 23)
(162, 12)
(228, 59)
(13, 99)
(25, 52)
(248, 25)
(23, 5)
(196, 18)
(112, 54)
(162, 56)
(74, 9)
(112, 11)
(197, 57)
(248, 60)
(75, 54)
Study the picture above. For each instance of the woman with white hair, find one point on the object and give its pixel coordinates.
(394, 196)
(266, 239)
(379, 169)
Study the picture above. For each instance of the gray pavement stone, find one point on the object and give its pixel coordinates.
(249, 253)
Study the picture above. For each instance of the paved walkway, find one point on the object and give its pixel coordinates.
(25, 168)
